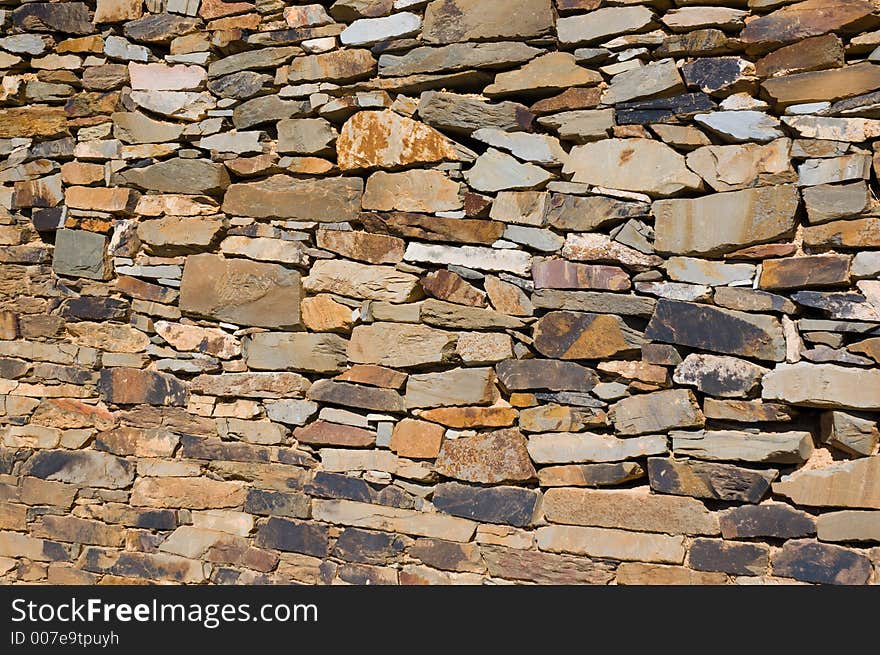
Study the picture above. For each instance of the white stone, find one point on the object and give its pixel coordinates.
(496, 171)
(538, 148)
(188, 105)
(373, 30)
(740, 126)
(237, 142)
(482, 259)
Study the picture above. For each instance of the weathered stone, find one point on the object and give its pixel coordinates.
(805, 19)
(656, 412)
(654, 79)
(450, 315)
(848, 525)
(805, 272)
(462, 114)
(719, 376)
(776, 520)
(471, 417)
(392, 519)
(729, 445)
(841, 484)
(361, 281)
(545, 568)
(641, 165)
(603, 24)
(81, 468)
(450, 21)
(823, 385)
(294, 536)
(717, 330)
(506, 505)
(629, 510)
(734, 558)
(573, 335)
(521, 375)
(400, 344)
(732, 220)
(554, 71)
(858, 233)
(192, 493)
(810, 561)
(827, 202)
(241, 291)
(384, 139)
(134, 127)
(561, 274)
(212, 341)
(638, 573)
(446, 285)
(416, 439)
(338, 66)
(615, 544)
(69, 17)
(130, 386)
(564, 448)
(326, 200)
(741, 126)
(813, 53)
(366, 31)
(178, 176)
(471, 386)
(297, 351)
(487, 458)
(513, 261)
(728, 168)
(456, 56)
(109, 336)
(79, 253)
(240, 85)
(852, 434)
(589, 475)
(591, 301)
(416, 191)
(356, 545)
(160, 28)
(352, 395)
(704, 480)
(324, 433)
(817, 86)
(265, 109)
(433, 228)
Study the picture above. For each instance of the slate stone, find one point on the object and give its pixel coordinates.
(589, 475)
(809, 561)
(352, 395)
(334, 485)
(734, 558)
(178, 176)
(67, 17)
(506, 505)
(840, 484)
(659, 110)
(368, 547)
(240, 85)
(277, 503)
(461, 114)
(718, 375)
(776, 520)
(582, 335)
(79, 253)
(131, 386)
(705, 480)
(717, 330)
(280, 196)
(81, 468)
(525, 374)
(95, 308)
(729, 445)
(656, 412)
(295, 537)
(160, 28)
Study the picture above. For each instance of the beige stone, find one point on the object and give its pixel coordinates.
(612, 544)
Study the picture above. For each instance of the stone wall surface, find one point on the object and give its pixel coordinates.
(439, 292)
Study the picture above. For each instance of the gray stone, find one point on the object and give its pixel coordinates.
(730, 445)
(79, 253)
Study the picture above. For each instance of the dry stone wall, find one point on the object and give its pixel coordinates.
(447, 291)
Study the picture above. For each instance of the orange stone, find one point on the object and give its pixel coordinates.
(471, 417)
(416, 439)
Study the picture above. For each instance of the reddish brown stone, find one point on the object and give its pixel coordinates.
(763, 251)
(433, 228)
(809, 18)
(805, 272)
(374, 376)
(416, 439)
(323, 433)
(362, 246)
(446, 285)
(815, 53)
(562, 274)
(488, 458)
(570, 99)
(132, 386)
(581, 335)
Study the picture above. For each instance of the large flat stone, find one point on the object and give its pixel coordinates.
(656, 412)
(576, 335)
(730, 445)
(507, 505)
(842, 484)
(327, 200)
(296, 351)
(450, 21)
(241, 291)
(823, 385)
(706, 480)
(612, 544)
(571, 447)
(361, 281)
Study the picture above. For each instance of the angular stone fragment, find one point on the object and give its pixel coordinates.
(513, 261)
(33, 120)
(603, 24)
(640, 165)
(574, 335)
(366, 31)
(392, 519)
(656, 412)
(456, 56)
(178, 176)
(849, 525)
(450, 21)
(134, 127)
(446, 285)
(841, 484)
(805, 272)
(462, 114)
(638, 573)
(361, 281)
(356, 545)
(506, 505)
(741, 126)
(338, 66)
(129, 386)
(324, 433)
(294, 536)
(805, 19)
(728, 168)
(160, 28)
(79, 253)
(724, 222)
(384, 139)
(564, 448)
(810, 561)
(487, 458)
(734, 558)
(412, 191)
(241, 291)
(591, 301)
(561, 274)
(855, 435)
(858, 233)
(813, 53)
(462, 386)
(718, 330)
(67, 17)
(400, 345)
(327, 200)
(719, 376)
(705, 480)
(525, 374)
(589, 475)
(449, 315)
(352, 395)
(827, 202)
(729, 445)
(817, 86)
(471, 417)
(629, 510)
(298, 351)
(81, 468)
(416, 439)
(823, 385)
(251, 385)
(776, 520)
(545, 568)
(554, 71)
(654, 79)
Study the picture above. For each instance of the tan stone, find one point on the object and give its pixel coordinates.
(381, 517)
(818, 86)
(412, 191)
(610, 543)
(362, 246)
(629, 510)
(33, 120)
(842, 484)
(728, 168)
(555, 71)
(212, 341)
(109, 336)
(385, 139)
(637, 573)
(361, 281)
(656, 412)
(322, 313)
(823, 385)
(848, 525)
(117, 11)
(451, 21)
(461, 386)
(471, 417)
(416, 439)
(400, 344)
(192, 493)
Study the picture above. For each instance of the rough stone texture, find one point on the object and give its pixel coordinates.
(439, 291)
